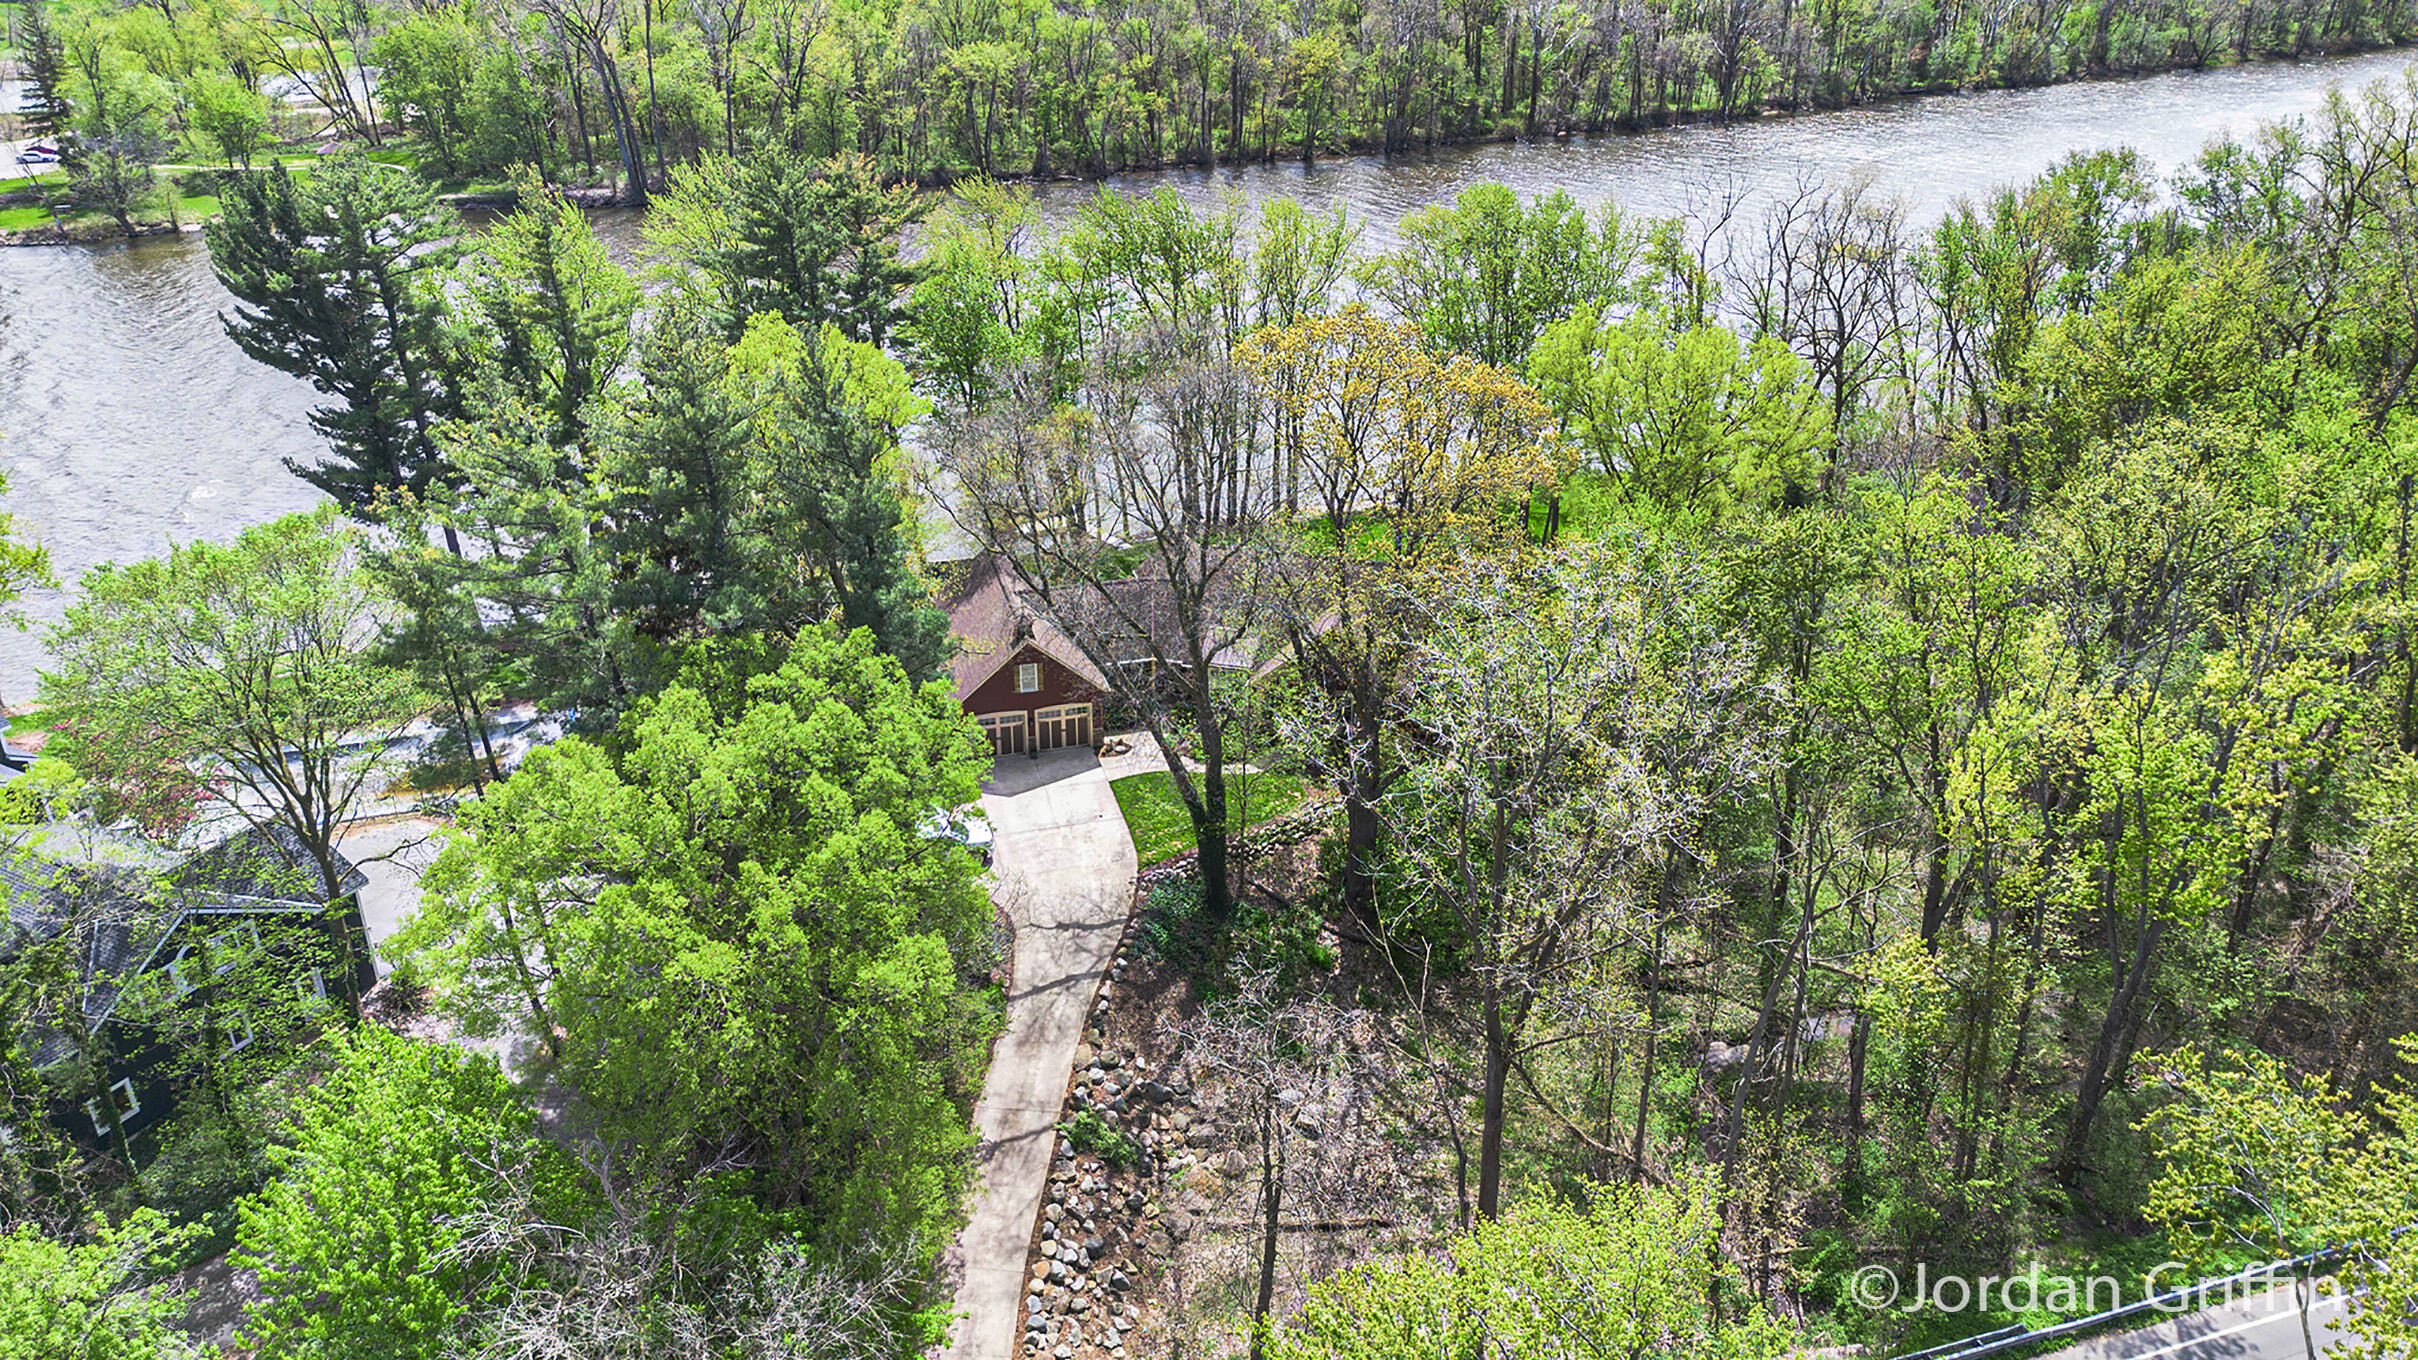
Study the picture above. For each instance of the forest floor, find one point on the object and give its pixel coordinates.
(1149, 1240)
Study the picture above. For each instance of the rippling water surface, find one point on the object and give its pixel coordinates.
(128, 420)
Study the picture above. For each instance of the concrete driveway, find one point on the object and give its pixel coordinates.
(1063, 871)
(391, 854)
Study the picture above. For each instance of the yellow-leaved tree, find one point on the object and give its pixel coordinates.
(1396, 465)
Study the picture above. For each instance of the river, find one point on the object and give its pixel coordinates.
(128, 420)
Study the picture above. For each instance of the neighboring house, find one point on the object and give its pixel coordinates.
(13, 761)
(1146, 611)
(1020, 676)
(142, 935)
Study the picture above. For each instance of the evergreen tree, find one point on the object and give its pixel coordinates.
(683, 481)
(812, 242)
(831, 465)
(553, 310)
(752, 494)
(866, 547)
(339, 282)
(44, 105)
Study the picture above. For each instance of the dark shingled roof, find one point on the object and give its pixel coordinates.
(990, 620)
(266, 861)
(124, 913)
(1150, 601)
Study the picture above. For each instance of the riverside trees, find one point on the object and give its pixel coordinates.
(339, 282)
(2057, 560)
(595, 89)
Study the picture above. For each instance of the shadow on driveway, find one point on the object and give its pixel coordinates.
(1013, 775)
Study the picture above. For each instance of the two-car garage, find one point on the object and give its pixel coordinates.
(1022, 678)
(1040, 729)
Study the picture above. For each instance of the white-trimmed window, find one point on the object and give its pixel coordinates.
(121, 1094)
(227, 947)
(312, 988)
(181, 970)
(1028, 677)
(240, 1039)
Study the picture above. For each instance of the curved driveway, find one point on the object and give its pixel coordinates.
(1063, 870)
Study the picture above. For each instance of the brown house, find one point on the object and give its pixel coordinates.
(1021, 677)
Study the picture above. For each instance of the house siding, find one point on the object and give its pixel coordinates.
(336, 940)
(1059, 687)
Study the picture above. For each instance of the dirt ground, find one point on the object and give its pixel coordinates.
(1161, 1257)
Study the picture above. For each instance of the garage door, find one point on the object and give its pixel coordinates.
(1066, 726)
(1006, 731)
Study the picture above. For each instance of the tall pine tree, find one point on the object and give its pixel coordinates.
(848, 493)
(812, 242)
(341, 283)
(552, 310)
(685, 489)
(44, 105)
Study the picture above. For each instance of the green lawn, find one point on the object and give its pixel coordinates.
(190, 209)
(1160, 827)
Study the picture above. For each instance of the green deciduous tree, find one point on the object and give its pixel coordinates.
(2254, 1157)
(1405, 462)
(22, 565)
(1486, 275)
(97, 1298)
(229, 112)
(360, 1241)
(754, 953)
(1687, 418)
(1636, 1272)
(245, 663)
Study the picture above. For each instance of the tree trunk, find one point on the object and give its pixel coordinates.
(2100, 1073)
(654, 113)
(1490, 1127)
(1645, 1060)
(1272, 1193)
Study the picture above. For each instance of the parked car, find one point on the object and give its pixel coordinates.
(966, 826)
(38, 155)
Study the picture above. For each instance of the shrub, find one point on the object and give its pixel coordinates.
(1090, 1133)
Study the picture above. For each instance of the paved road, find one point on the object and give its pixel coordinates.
(2260, 1327)
(1064, 873)
(391, 854)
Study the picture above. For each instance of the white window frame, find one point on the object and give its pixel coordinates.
(132, 1107)
(1028, 677)
(236, 1045)
(185, 985)
(228, 945)
(311, 987)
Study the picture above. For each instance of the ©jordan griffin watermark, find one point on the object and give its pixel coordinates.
(2168, 1286)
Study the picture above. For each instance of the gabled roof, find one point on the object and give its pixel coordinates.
(124, 912)
(267, 861)
(991, 621)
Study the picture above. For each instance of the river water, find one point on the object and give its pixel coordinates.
(129, 421)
